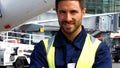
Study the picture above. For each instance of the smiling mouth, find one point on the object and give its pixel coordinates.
(67, 26)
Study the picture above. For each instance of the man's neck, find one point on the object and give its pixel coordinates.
(73, 35)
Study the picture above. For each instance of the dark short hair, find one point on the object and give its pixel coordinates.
(81, 2)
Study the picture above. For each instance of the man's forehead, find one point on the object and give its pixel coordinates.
(68, 6)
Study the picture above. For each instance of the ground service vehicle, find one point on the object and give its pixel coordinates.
(116, 48)
(15, 49)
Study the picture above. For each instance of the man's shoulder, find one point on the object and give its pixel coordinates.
(93, 39)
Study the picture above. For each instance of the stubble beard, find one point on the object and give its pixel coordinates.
(72, 30)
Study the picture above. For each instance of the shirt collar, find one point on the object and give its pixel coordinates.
(61, 40)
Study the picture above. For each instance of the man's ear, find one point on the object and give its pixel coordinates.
(83, 11)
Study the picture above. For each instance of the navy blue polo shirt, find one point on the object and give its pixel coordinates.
(69, 52)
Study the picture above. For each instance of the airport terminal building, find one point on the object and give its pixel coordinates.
(102, 6)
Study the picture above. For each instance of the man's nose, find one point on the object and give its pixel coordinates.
(68, 17)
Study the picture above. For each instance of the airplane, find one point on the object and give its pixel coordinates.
(16, 12)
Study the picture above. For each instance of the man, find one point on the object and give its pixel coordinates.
(71, 47)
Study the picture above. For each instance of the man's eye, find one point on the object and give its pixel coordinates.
(73, 12)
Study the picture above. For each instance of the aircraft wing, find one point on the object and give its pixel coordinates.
(16, 12)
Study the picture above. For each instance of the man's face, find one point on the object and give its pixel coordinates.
(70, 16)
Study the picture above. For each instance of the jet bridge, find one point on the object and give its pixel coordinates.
(96, 24)
(107, 22)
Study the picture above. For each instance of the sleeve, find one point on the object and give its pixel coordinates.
(38, 57)
(103, 57)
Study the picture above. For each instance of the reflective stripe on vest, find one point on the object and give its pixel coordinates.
(50, 52)
(86, 58)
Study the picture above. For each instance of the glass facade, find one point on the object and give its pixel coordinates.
(102, 6)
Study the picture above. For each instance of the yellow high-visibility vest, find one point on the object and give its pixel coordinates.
(85, 60)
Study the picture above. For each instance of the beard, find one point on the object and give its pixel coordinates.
(70, 27)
